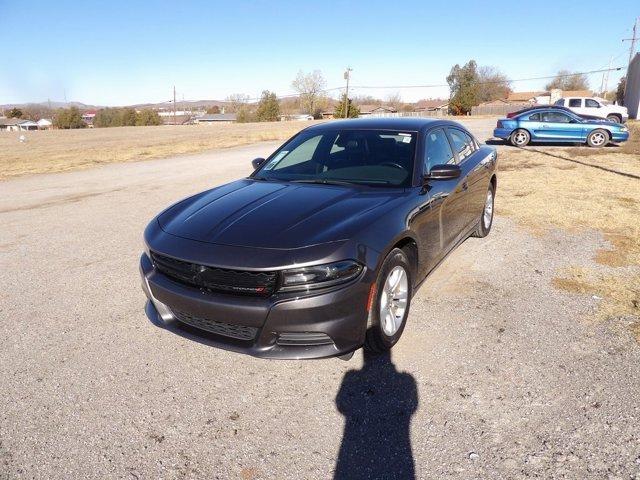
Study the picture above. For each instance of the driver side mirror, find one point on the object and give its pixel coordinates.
(444, 172)
(256, 162)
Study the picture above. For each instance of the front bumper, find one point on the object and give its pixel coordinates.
(322, 324)
(619, 136)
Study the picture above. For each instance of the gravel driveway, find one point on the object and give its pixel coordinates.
(498, 375)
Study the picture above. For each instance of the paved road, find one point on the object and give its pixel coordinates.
(498, 375)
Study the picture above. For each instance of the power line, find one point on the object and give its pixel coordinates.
(494, 81)
(437, 85)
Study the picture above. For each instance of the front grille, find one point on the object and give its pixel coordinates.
(216, 279)
(240, 332)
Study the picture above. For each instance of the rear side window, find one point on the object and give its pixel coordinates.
(462, 143)
(590, 103)
(575, 102)
(535, 117)
(437, 150)
(555, 117)
(560, 102)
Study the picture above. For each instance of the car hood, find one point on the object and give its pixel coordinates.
(277, 214)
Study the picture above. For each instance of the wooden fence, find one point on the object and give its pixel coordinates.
(501, 110)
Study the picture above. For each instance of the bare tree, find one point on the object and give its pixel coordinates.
(566, 80)
(492, 84)
(310, 86)
(394, 100)
(237, 101)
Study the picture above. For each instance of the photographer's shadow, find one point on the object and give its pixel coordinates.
(377, 402)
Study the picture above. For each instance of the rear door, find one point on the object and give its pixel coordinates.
(473, 174)
(576, 104)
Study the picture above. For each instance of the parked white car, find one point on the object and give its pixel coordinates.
(596, 107)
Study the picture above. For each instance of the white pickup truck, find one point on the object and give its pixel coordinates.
(596, 107)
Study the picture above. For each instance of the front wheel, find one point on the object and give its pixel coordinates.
(486, 219)
(614, 118)
(390, 309)
(520, 138)
(598, 138)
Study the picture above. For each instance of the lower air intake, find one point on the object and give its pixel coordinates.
(240, 332)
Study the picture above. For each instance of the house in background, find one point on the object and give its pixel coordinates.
(212, 118)
(375, 110)
(434, 105)
(17, 124)
(88, 117)
(45, 124)
(523, 98)
(302, 117)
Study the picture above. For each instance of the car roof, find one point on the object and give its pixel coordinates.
(399, 123)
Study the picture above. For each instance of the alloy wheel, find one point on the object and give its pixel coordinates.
(487, 216)
(393, 300)
(520, 138)
(598, 139)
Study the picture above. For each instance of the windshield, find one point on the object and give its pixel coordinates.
(366, 157)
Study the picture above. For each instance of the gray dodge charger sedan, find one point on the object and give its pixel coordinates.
(319, 251)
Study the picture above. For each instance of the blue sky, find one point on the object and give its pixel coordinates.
(116, 53)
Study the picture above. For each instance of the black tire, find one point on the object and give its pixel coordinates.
(484, 226)
(376, 340)
(598, 138)
(520, 138)
(614, 118)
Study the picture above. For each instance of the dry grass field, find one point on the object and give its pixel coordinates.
(544, 189)
(63, 150)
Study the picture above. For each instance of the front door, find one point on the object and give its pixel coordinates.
(559, 126)
(435, 221)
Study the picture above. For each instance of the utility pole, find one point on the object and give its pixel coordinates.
(632, 50)
(174, 105)
(605, 78)
(347, 74)
(633, 40)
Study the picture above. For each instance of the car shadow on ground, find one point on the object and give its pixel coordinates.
(377, 402)
(504, 143)
(555, 154)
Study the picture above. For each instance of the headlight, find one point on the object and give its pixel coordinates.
(146, 248)
(624, 129)
(318, 276)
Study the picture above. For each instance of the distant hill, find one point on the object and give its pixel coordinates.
(52, 104)
(193, 104)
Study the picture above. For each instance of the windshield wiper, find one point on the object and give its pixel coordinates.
(324, 181)
(264, 179)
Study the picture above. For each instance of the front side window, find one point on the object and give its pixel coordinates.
(462, 143)
(555, 117)
(590, 103)
(575, 102)
(367, 157)
(437, 150)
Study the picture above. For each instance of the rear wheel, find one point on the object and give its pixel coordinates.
(614, 118)
(486, 219)
(520, 138)
(598, 138)
(389, 312)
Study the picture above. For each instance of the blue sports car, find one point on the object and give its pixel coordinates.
(547, 124)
